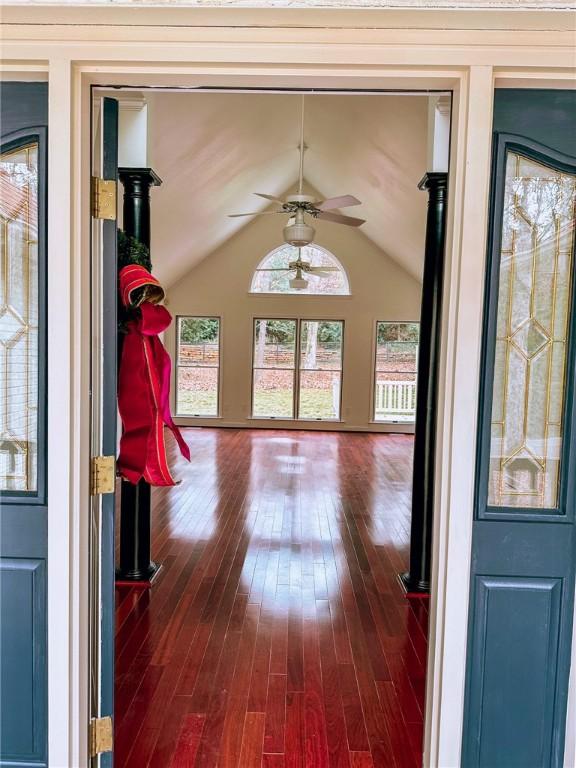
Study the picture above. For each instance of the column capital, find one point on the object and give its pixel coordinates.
(433, 180)
(145, 176)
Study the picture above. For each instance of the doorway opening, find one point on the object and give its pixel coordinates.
(276, 630)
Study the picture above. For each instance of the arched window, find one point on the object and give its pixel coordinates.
(273, 274)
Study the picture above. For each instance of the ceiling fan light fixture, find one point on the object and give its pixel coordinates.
(297, 232)
(298, 283)
(299, 235)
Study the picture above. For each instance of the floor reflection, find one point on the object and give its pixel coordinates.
(276, 633)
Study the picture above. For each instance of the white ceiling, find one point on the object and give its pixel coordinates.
(213, 150)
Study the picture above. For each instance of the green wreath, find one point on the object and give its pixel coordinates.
(132, 251)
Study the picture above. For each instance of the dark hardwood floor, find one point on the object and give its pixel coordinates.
(276, 633)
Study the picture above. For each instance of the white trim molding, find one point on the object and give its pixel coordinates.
(290, 48)
(419, 5)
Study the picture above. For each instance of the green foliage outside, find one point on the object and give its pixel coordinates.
(283, 331)
(399, 332)
(199, 330)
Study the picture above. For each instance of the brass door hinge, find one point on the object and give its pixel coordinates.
(101, 736)
(103, 198)
(103, 475)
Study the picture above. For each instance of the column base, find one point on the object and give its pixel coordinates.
(138, 578)
(414, 587)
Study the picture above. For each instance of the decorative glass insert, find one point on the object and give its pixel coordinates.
(273, 274)
(396, 371)
(534, 299)
(320, 369)
(274, 369)
(198, 366)
(19, 319)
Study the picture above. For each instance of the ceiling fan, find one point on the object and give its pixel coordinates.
(298, 282)
(298, 232)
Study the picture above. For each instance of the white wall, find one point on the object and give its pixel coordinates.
(219, 285)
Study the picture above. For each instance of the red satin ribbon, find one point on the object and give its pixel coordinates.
(143, 400)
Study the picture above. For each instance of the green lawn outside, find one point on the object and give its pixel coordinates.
(314, 403)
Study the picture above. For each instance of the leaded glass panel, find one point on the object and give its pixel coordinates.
(19, 319)
(534, 300)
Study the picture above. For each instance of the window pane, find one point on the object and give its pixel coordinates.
(274, 343)
(395, 397)
(319, 395)
(198, 366)
(197, 391)
(273, 274)
(19, 319)
(199, 341)
(396, 369)
(531, 335)
(273, 393)
(321, 344)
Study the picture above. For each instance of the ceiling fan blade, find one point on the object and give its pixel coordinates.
(323, 269)
(318, 273)
(254, 213)
(339, 218)
(269, 197)
(344, 201)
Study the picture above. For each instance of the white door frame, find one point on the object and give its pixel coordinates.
(469, 64)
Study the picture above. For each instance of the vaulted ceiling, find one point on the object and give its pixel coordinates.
(213, 150)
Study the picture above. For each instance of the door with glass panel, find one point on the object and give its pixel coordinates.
(23, 486)
(524, 555)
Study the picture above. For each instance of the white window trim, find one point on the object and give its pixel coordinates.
(373, 419)
(457, 58)
(282, 247)
(177, 366)
(297, 371)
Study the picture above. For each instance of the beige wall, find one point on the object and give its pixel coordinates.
(219, 285)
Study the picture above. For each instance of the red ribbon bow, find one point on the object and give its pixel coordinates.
(143, 400)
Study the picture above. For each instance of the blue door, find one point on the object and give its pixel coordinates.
(104, 426)
(524, 551)
(23, 486)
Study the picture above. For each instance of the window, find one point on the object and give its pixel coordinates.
(198, 366)
(273, 274)
(395, 371)
(320, 370)
(531, 360)
(274, 368)
(19, 319)
(307, 384)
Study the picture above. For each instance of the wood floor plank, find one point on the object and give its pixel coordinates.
(231, 740)
(276, 634)
(274, 733)
(251, 754)
(188, 741)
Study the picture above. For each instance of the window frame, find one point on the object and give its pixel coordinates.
(347, 295)
(177, 367)
(13, 142)
(294, 374)
(375, 371)
(297, 370)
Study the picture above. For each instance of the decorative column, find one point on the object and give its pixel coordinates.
(135, 562)
(417, 580)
